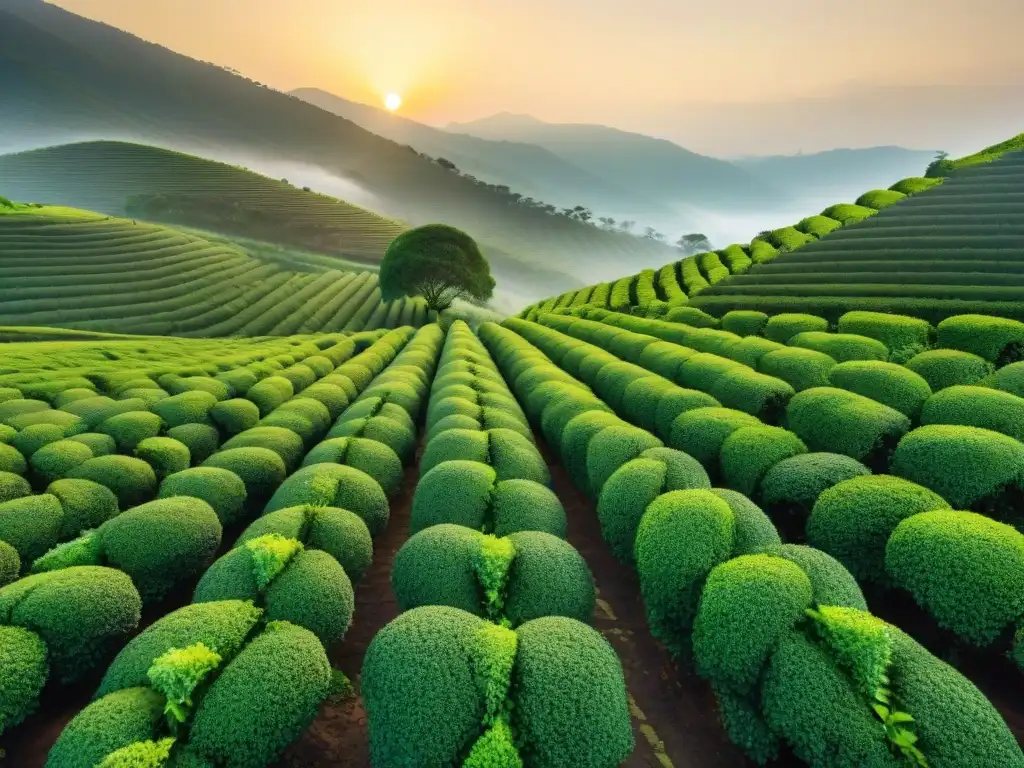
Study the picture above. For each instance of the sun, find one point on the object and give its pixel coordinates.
(392, 101)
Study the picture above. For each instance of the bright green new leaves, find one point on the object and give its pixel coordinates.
(178, 672)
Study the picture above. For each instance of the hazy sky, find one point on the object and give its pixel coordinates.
(650, 65)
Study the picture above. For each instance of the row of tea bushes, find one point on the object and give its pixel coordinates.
(493, 601)
(780, 631)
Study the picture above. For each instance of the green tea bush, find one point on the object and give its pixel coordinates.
(333, 397)
(841, 347)
(754, 393)
(86, 505)
(943, 368)
(903, 335)
(782, 327)
(853, 520)
(11, 460)
(13, 486)
(23, 655)
(790, 489)
(32, 438)
(972, 468)
(700, 432)
(612, 447)
(976, 407)
(692, 316)
(300, 376)
(186, 408)
(234, 416)
(15, 407)
(998, 340)
(99, 444)
(202, 440)
(744, 322)
(260, 469)
(753, 531)
(750, 349)
(837, 421)
(831, 583)
(635, 485)
(455, 444)
(848, 213)
(749, 452)
(678, 401)
(880, 198)
(819, 226)
(58, 459)
(1009, 378)
(308, 418)
(162, 544)
(164, 454)
(270, 393)
(222, 489)
(890, 384)
(10, 563)
(131, 428)
(132, 480)
(334, 485)
(966, 570)
(374, 458)
(800, 368)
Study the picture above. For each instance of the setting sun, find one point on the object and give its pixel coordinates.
(392, 101)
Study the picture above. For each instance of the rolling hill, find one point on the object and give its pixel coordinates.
(64, 78)
(932, 247)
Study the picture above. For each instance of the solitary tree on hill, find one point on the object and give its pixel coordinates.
(693, 243)
(439, 263)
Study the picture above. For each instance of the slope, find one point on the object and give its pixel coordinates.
(649, 167)
(64, 78)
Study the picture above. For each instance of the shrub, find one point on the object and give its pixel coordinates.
(81, 613)
(744, 322)
(11, 460)
(964, 569)
(754, 393)
(753, 532)
(284, 675)
(700, 432)
(633, 486)
(682, 536)
(749, 452)
(790, 489)
(571, 706)
(692, 316)
(186, 408)
(675, 402)
(612, 447)
(890, 384)
(841, 347)
(333, 397)
(234, 416)
(943, 368)
(202, 440)
(132, 480)
(453, 492)
(162, 543)
(998, 340)
(260, 469)
(131, 428)
(971, 468)
(904, 336)
(837, 421)
(1009, 378)
(880, 198)
(32, 438)
(547, 577)
(334, 485)
(436, 567)
(747, 604)
(98, 443)
(23, 659)
(86, 505)
(222, 489)
(10, 564)
(270, 393)
(31, 525)
(523, 505)
(831, 583)
(307, 418)
(976, 407)
(58, 459)
(853, 520)
(800, 368)
(164, 454)
(370, 456)
(781, 328)
(13, 486)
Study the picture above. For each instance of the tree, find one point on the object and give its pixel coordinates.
(937, 167)
(693, 243)
(626, 225)
(448, 165)
(439, 263)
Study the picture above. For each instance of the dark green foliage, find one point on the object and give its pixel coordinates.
(162, 543)
(202, 440)
(675, 402)
(749, 452)
(58, 459)
(612, 447)
(222, 489)
(31, 524)
(971, 468)
(164, 454)
(700, 432)
(746, 606)
(1009, 378)
(98, 443)
(682, 536)
(234, 416)
(260, 469)
(222, 627)
(334, 485)
(436, 567)
(753, 530)
(890, 384)
(570, 695)
(976, 407)
(283, 676)
(82, 613)
(307, 418)
(132, 480)
(419, 687)
(515, 457)
(523, 505)
(23, 660)
(831, 583)
(269, 393)
(398, 436)
(754, 393)
(790, 488)
(744, 322)
(13, 486)
(186, 408)
(10, 564)
(86, 505)
(286, 443)
(548, 577)
(943, 368)
(800, 368)
(455, 444)
(637, 483)
(996, 339)
(334, 398)
(853, 520)
(370, 456)
(439, 263)
(966, 570)
(837, 421)
(106, 725)
(11, 460)
(453, 492)
(783, 327)
(746, 728)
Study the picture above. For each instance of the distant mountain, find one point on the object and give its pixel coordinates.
(838, 169)
(526, 168)
(647, 166)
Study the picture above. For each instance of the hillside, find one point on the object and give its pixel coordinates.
(931, 247)
(65, 78)
(87, 271)
(647, 166)
(527, 168)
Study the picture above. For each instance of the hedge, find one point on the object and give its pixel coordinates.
(186, 408)
(13, 486)
(782, 327)
(11, 460)
(976, 407)
(754, 393)
(998, 340)
(58, 459)
(85, 505)
(260, 469)
(132, 480)
(749, 452)
(131, 428)
(842, 347)
(1009, 378)
(334, 485)
(202, 439)
(374, 458)
(853, 520)
(32, 438)
(222, 489)
(800, 368)
(700, 432)
(888, 383)
(270, 393)
(10, 563)
(831, 583)
(903, 335)
(744, 322)
(164, 454)
(612, 447)
(943, 368)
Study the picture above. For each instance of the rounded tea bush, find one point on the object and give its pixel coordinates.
(99, 444)
(678, 401)
(234, 416)
(900, 333)
(186, 408)
(612, 447)
(754, 393)
(269, 393)
(334, 485)
(13, 486)
(852, 520)
(548, 577)
(943, 368)
(749, 452)
(455, 445)
(58, 459)
(202, 439)
(971, 468)
(370, 456)
(132, 480)
(11, 460)
(32, 524)
(841, 347)
(744, 322)
(976, 407)
(790, 489)
(10, 563)
(753, 531)
(700, 432)
(888, 383)
(782, 327)
(453, 492)
(164, 454)
(523, 505)
(23, 659)
(398, 436)
(965, 569)
(222, 489)
(260, 469)
(996, 339)
(1009, 378)
(86, 505)
(831, 583)
(436, 567)
(32, 438)
(800, 368)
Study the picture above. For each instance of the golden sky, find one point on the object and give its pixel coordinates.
(631, 63)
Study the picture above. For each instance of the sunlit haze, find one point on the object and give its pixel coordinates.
(692, 71)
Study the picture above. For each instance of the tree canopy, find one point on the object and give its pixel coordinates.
(439, 263)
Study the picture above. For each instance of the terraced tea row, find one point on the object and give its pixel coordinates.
(90, 272)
